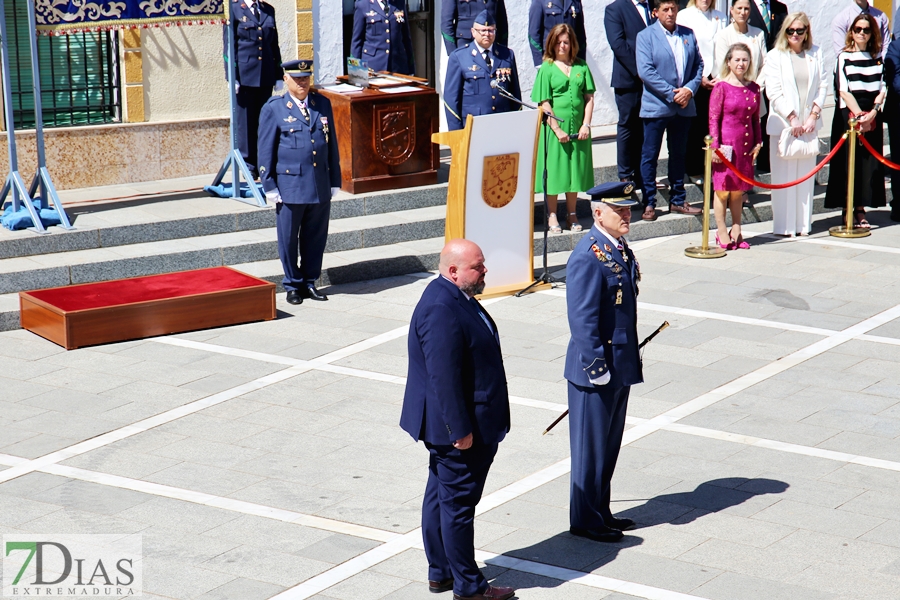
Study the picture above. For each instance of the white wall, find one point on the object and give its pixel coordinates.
(329, 36)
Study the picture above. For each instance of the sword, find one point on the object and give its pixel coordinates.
(642, 344)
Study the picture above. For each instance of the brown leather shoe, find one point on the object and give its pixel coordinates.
(491, 593)
(437, 587)
(649, 213)
(684, 209)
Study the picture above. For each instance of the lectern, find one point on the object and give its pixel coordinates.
(490, 199)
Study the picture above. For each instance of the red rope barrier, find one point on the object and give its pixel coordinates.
(878, 156)
(781, 186)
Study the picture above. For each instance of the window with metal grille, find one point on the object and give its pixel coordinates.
(79, 75)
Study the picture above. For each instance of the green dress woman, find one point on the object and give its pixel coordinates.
(564, 87)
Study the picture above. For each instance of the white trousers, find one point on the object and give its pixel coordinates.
(791, 207)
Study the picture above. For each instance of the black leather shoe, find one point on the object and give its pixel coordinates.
(294, 297)
(437, 587)
(620, 524)
(601, 534)
(313, 294)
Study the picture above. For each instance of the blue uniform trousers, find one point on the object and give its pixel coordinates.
(676, 129)
(629, 133)
(455, 482)
(596, 425)
(302, 232)
(250, 101)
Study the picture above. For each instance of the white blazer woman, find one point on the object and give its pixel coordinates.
(797, 111)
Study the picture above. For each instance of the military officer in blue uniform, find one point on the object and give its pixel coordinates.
(544, 15)
(257, 69)
(470, 71)
(458, 18)
(300, 170)
(381, 36)
(603, 358)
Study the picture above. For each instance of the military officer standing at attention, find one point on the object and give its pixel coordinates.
(603, 359)
(257, 68)
(458, 18)
(470, 71)
(381, 36)
(300, 170)
(544, 15)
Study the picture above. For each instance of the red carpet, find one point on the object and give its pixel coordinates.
(142, 289)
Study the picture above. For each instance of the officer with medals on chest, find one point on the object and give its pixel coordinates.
(544, 15)
(381, 36)
(603, 358)
(458, 18)
(300, 171)
(257, 68)
(470, 71)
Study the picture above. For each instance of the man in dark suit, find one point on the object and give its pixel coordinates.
(624, 20)
(381, 36)
(456, 401)
(257, 68)
(300, 170)
(458, 18)
(544, 15)
(472, 69)
(767, 15)
(603, 359)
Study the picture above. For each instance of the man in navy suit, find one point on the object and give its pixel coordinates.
(544, 15)
(300, 170)
(470, 71)
(381, 36)
(670, 66)
(624, 20)
(458, 18)
(257, 68)
(603, 359)
(456, 401)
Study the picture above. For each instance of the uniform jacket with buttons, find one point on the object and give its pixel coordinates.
(604, 333)
(467, 89)
(456, 383)
(381, 36)
(297, 157)
(544, 15)
(258, 57)
(458, 18)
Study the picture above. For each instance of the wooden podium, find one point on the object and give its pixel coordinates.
(490, 198)
(384, 137)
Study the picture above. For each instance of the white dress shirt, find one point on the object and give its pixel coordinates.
(676, 43)
(640, 8)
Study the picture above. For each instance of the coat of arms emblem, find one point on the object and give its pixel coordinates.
(499, 179)
(395, 132)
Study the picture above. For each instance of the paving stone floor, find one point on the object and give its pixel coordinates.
(761, 460)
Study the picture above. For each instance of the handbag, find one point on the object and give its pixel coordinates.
(728, 151)
(794, 148)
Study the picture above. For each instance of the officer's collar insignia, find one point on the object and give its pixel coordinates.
(290, 119)
(474, 52)
(290, 104)
(607, 248)
(311, 101)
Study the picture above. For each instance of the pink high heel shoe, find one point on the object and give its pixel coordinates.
(741, 245)
(729, 246)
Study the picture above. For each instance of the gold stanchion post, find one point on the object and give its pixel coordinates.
(704, 251)
(847, 230)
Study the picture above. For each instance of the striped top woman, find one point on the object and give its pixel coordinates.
(859, 77)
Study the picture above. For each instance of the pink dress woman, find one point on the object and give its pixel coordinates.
(734, 121)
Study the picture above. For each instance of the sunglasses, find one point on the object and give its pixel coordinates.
(800, 31)
(862, 30)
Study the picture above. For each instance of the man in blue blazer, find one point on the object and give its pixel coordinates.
(470, 71)
(300, 170)
(603, 359)
(670, 66)
(624, 20)
(381, 36)
(458, 17)
(456, 401)
(544, 15)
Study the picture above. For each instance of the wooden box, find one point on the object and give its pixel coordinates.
(112, 311)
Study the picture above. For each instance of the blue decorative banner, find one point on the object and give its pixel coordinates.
(55, 17)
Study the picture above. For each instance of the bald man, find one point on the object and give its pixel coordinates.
(456, 402)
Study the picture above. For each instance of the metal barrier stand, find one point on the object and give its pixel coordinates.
(704, 251)
(847, 230)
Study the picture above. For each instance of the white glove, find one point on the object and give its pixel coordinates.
(274, 196)
(335, 190)
(279, 85)
(602, 380)
(237, 88)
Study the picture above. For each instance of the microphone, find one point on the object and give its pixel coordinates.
(505, 93)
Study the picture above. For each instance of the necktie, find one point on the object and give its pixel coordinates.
(646, 12)
(764, 5)
(483, 316)
(487, 59)
(255, 9)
